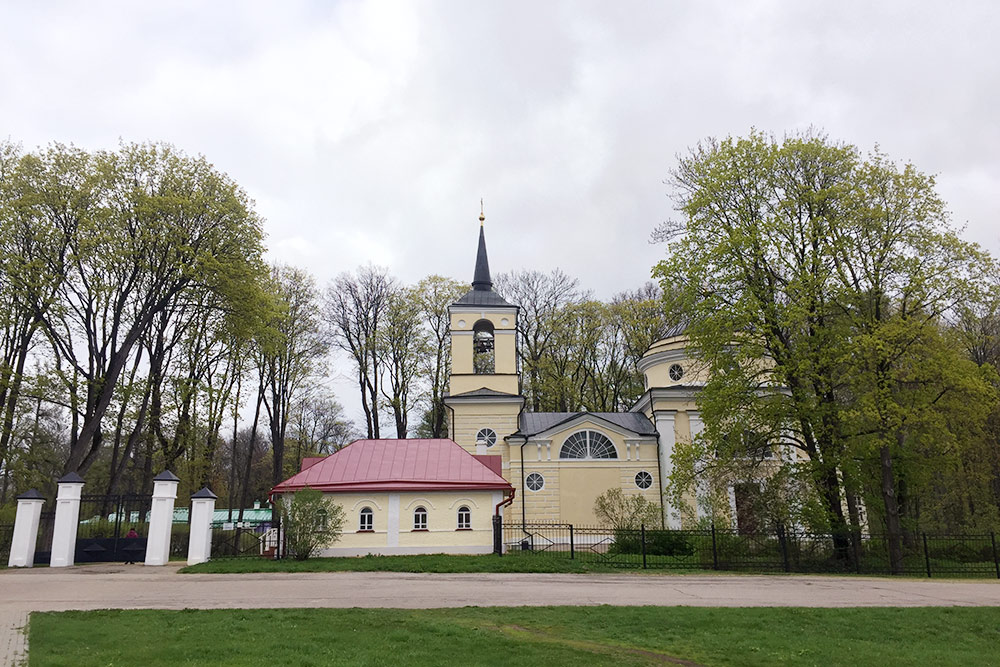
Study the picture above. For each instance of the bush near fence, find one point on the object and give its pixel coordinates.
(776, 551)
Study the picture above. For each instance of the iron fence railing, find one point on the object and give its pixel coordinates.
(236, 539)
(6, 537)
(779, 550)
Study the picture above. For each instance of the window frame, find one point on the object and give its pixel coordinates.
(366, 513)
(527, 482)
(420, 518)
(464, 513)
(587, 435)
(487, 434)
(648, 475)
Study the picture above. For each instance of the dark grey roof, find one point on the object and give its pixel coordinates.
(476, 297)
(166, 476)
(482, 293)
(70, 478)
(537, 422)
(483, 392)
(204, 493)
(481, 277)
(31, 494)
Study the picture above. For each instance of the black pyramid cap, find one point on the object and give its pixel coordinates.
(481, 278)
(70, 478)
(31, 494)
(166, 476)
(204, 493)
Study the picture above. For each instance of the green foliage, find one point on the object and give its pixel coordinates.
(658, 543)
(819, 286)
(618, 510)
(311, 521)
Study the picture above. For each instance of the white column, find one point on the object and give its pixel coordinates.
(67, 520)
(200, 541)
(161, 518)
(22, 545)
(701, 486)
(392, 521)
(666, 442)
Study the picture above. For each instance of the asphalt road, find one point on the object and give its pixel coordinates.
(140, 587)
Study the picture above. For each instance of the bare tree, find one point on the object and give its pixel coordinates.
(354, 309)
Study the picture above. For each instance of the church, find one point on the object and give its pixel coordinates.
(559, 462)
(427, 496)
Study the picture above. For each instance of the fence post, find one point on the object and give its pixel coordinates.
(498, 535)
(572, 550)
(784, 546)
(642, 534)
(856, 537)
(996, 561)
(715, 550)
(927, 556)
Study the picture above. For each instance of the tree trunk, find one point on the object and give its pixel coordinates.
(893, 528)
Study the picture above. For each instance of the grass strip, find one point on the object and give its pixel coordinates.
(441, 563)
(552, 636)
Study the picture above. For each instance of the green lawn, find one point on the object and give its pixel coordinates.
(428, 563)
(549, 636)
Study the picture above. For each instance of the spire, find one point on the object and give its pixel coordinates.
(481, 279)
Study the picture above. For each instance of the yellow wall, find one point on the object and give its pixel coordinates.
(442, 534)
(572, 485)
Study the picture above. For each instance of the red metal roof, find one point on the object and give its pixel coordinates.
(397, 465)
(492, 461)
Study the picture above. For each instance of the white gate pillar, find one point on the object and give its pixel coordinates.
(22, 546)
(200, 542)
(161, 518)
(67, 520)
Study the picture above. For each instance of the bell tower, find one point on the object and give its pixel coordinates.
(484, 387)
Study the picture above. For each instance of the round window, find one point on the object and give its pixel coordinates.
(676, 372)
(486, 436)
(643, 479)
(534, 482)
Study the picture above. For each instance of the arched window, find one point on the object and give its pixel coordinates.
(588, 445)
(483, 354)
(464, 518)
(420, 519)
(365, 521)
(321, 520)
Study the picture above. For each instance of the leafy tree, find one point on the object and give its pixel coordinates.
(289, 361)
(433, 295)
(805, 273)
(311, 522)
(404, 345)
(153, 225)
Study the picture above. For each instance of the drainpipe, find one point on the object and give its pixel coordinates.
(504, 503)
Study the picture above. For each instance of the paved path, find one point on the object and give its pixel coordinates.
(139, 587)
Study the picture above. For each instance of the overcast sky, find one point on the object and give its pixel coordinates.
(368, 131)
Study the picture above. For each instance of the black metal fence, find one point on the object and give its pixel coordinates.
(6, 537)
(777, 551)
(244, 539)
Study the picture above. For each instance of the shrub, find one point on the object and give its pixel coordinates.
(310, 521)
(619, 511)
(658, 543)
